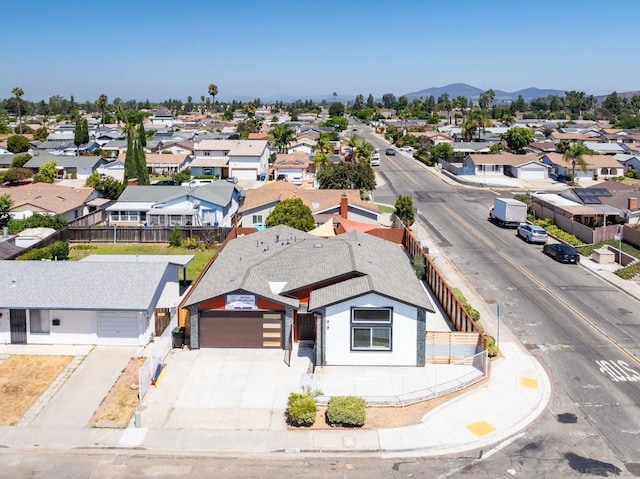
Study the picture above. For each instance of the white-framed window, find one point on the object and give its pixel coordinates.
(39, 322)
(371, 329)
(124, 216)
(256, 220)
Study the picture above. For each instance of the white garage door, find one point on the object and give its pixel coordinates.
(245, 174)
(118, 328)
(533, 174)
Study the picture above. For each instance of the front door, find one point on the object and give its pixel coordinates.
(306, 327)
(18, 326)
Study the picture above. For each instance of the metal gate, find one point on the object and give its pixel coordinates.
(18, 326)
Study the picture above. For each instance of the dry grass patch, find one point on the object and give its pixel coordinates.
(118, 406)
(23, 379)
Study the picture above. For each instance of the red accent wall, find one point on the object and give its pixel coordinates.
(220, 302)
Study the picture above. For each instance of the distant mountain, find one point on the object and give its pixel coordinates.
(473, 93)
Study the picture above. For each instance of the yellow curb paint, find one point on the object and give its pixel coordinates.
(526, 382)
(480, 428)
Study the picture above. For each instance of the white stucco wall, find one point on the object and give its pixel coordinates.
(337, 333)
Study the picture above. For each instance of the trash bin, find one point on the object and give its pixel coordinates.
(178, 337)
(263, 177)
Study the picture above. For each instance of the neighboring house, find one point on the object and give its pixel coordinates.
(214, 204)
(354, 296)
(291, 165)
(114, 169)
(302, 145)
(4, 151)
(526, 167)
(557, 136)
(115, 146)
(606, 148)
(435, 137)
(177, 147)
(77, 302)
(166, 164)
(260, 202)
(622, 197)
(628, 161)
(540, 147)
(598, 166)
(6, 159)
(464, 148)
(162, 117)
(49, 199)
(80, 167)
(243, 159)
(104, 136)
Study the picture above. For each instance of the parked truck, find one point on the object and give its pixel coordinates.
(508, 213)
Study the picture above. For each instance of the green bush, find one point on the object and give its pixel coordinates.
(419, 266)
(37, 220)
(346, 411)
(563, 235)
(175, 238)
(58, 251)
(191, 243)
(629, 271)
(36, 254)
(301, 410)
(492, 347)
(474, 313)
(83, 247)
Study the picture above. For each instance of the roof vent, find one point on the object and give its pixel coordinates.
(317, 245)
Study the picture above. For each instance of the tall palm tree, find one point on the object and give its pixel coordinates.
(102, 103)
(575, 155)
(213, 91)
(323, 144)
(18, 93)
(283, 136)
(477, 121)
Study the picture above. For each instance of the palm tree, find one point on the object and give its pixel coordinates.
(282, 136)
(213, 91)
(575, 155)
(102, 103)
(323, 144)
(18, 93)
(477, 121)
(321, 160)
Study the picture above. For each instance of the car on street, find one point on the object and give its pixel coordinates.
(563, 253)
(406, 148)
(532, 233)
(232, 179)
(390, 152)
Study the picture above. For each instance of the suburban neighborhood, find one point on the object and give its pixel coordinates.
(355, 274)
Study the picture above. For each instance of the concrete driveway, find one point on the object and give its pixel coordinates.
(224, 389)
(79, 397)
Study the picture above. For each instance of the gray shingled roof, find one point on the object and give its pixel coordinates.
(259, 264)
(217, 193)
(65, 161)
(79, 285)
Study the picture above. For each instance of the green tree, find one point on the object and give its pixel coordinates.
(575, 156)
(102, 103)
(441, 150)
(18, 161)
(486, 99)
(323, 144)
(16, 175)
(518, 138)
(404, 209)
(41, 134)
(213, 91)
(336, 109)
(17, 144)
(18, 93)
(78, 135)
(5, 206)
(338, 122)
(347, 176)
(135, 163)
(291, 212)
(282, 137)
(182, 176)
(47, 173)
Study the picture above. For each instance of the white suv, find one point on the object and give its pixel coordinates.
(532, 233)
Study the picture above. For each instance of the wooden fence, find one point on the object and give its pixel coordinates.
(448, 300)
(144, 234)
(90, 219)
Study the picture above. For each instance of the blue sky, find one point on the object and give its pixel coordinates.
(167, 49)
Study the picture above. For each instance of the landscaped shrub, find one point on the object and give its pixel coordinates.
(419, 266)
(492, 347)
(474, 313)
(563, 235)
(58, 251)
(301, 410)
(350, 411)
(630, 271)
(191, 243)
(175, 238)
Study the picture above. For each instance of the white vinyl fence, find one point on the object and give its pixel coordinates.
(161, 347)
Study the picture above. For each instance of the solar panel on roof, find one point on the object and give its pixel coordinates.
(591, 196)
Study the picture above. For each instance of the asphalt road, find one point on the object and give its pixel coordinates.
(583, 329)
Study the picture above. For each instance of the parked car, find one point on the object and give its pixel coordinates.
(562, 253)
(232, 179)
(165, 183)
(281, 177)
(390, 152)
(532, 233)
(406, 148)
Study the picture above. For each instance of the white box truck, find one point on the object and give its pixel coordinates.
(508, 213)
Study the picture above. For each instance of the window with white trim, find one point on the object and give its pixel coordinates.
(371, 329)
(39, 322)
(256, 220)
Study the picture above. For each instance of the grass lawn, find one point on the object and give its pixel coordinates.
(23, 379)
(193, 269)
(118, 406)
(626, 247)
(385, 208)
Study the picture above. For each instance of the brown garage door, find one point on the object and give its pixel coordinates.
(241, 329)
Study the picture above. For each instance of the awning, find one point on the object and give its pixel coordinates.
(171, 211)
(130, 206)
(209, 162)
(325, 230)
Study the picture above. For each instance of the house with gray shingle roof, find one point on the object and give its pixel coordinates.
(354, 296)
(50, 302)
(213, 204)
